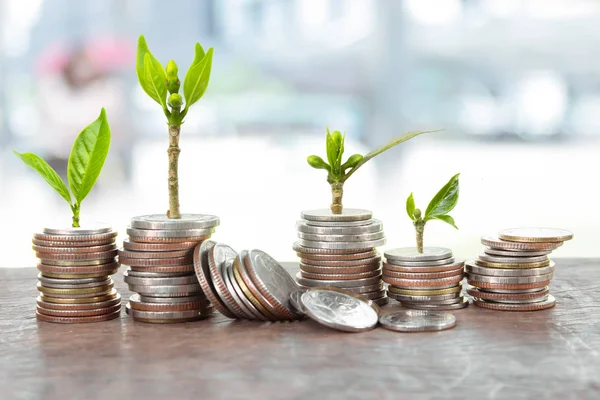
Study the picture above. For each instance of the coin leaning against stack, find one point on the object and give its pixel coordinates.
(74, 280)
(514, 271)
(159, 253)
(431, 280)
(249, 285)
(339, 250)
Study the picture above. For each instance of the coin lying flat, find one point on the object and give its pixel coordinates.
(102, 255)
(515, 253)
(170, 281)
(173, 300)
(51, 282)
(426, 299)
(513, 265)
(341, 277)
(136, 303)
(187, 221)
(372, 226)
(73, 250)
(347, 215)
(87, 263)
(423, 283)
(509, 279)
(156, 254)
(169, 240)
(78, 313)
(514, 260)
(130, 245)
(543, 305)
(359, 269)
(168, 234)
(85, 243)
(83, 291)
(341, 238)
(79, 306)
(342, 263)
(167, 291)
(337, 283)
(425, 292)
(434, 263)
(339, 310)
(75, 238)
(502, 286)
(85, 300)
(166, 316)
(430, 269)
(476, 269)
(410, 254)
(363, 255)
(299, 248)
(464, 303)
(503, 297)
(86, 229)
(544, 235)
(342, 245)
(496, 243)
(77, 320)
(423, 275)
(155, 262)
(145, 274)
(417, 321)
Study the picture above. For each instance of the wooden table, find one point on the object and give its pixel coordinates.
(489, 355)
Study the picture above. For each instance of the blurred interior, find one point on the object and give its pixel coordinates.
(514, 84)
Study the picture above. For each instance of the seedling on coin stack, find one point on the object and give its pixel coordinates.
(76, 262)
(427, 278)
(337, 246)
(160, 247)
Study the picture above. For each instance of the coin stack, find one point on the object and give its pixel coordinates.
(74, 280)
(249, 285)
(431, 280)
(339, 250)
(514, 271)
(159, 253)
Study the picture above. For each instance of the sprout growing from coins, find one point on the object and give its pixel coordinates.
(162, 85)
(85, 163)
(442, 203)
(338, 172)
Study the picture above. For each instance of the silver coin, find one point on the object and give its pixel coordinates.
(217, 256)
(325, 214)
(340, 283)
(421, 299)
(411, 254)
(342, 245)
(167, 290)
(513, 291)
(178, 280)
(496, 243)
(509, 280)
(439, 307)
(512, 260)
(382, 301)
(373, 225)
(156, 254)
(528, 301)
(445, 261)
(68, 263)
(187, 221)
(90, 282)
(544, 235)
(179, 233)
(455, 300)
(295, 301)
(356, 289)
(417, 321)
(145, 274)
(515, 253)
(86, 229)
(79, 296)
(448, 286)
(476, 269)
(330, 252)
(240, 293)
(339, 310)
(374, 295)
(228, 264)
(172, 300)
(341, 238)
(337, 224)
(163, 315)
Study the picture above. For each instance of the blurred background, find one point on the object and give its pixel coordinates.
(514, 84)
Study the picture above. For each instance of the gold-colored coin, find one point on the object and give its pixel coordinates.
(428, 292)
(250, 296)
(92, 290)
(85, 300)
(78, 276)
(513, 265)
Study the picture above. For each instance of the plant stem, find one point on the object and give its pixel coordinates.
(337, 191)
(75, 208)
(174, 151)
(420, 229)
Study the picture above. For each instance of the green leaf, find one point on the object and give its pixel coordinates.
(447, 219)
(318, 163)
(444, 201)
(198, 54)
(158, 74)
(331, 149)
(46, 172)
(339, 140)
(87, 157)
(410, 207)
(156, 86)
(196, 80)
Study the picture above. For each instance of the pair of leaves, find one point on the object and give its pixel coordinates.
(442, 203)
(86, 160)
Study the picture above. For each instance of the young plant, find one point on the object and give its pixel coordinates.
(442, 203)
(338, 172)
(85, 163)
(162, 85)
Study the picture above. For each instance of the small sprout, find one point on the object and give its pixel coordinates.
(175, 100)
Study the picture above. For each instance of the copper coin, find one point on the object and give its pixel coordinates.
(425, 292)
(157, 240)
(496, 243)
(67, 263)
(91, 290)
(89, 243)
(168, 316)
(423, 275)
(485, 285)
(543, 305)
(425, 283)
(78, 313)
(79, 306)
(75, 238)
(545, 235)
(189, 253)
(339, 276)
(311, 250)
(77, 256)
(238, 294)
(78, 276)
(137, 304)
(342, 263)
(78, 320)
(437, 268)
(73, 250)
(130, 245)
(155, 262)
(248, 294)
(339, 257)
(512, 265)
(483, 295)
(95, 299)
(217, 257)
(340, 283)
(94, 269)
(165, 269)
(339, 270)
(77, 296)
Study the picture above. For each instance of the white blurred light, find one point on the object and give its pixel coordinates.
(20, 16)
(434, 12)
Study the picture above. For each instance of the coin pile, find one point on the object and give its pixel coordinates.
(159, 253)
(249, 285)
(514, 271)
(74, 280)
(431, 280)
(339, 250)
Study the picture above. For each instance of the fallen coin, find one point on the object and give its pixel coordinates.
(417, 321)
(248, 312)
(217, 256)
(237, 266)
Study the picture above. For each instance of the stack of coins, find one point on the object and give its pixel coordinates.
(159, 253)
(339, 250)
(74, 280)
(249, 285)
(425, 281)
(514, 271)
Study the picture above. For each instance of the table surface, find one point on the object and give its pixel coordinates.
(489, 355)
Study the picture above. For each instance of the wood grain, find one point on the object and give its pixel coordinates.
(489, 355)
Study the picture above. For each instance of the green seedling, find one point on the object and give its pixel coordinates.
(85, 163)
(338, 172)
(442, 203)
(162, 85)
